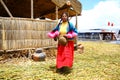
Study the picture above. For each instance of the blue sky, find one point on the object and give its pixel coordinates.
(89, 4)
(97, 14)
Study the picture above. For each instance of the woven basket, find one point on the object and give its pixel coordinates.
(62, 40)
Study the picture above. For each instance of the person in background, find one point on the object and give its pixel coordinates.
(65, 53)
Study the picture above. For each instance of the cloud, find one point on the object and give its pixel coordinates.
(99, 16)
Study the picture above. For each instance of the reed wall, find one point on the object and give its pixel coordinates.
(19, 33)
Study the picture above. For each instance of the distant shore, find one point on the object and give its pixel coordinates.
(114, 41)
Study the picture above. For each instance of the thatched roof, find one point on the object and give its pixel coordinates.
(47, 8)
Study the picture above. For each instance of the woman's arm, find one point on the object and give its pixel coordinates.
(72, 28)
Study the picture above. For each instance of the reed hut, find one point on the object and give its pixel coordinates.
(19, 28)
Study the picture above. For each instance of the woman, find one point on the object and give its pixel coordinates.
(65, 52)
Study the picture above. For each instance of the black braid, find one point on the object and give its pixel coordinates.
(60, 22)
(69, 25)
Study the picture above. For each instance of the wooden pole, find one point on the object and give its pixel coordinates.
(6, 8)
(3, 37)
(32, 9)
(76, 25)
(56, 12)
(76, 21)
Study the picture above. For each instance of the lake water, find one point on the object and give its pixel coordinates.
(115, 42)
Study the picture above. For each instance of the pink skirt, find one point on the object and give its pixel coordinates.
(65, 55)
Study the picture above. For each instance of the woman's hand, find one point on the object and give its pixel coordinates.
(56, 38)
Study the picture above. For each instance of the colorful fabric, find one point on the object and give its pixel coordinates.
(69, 28)
(53, 34)
(63, 28)
(65, 55)
(71, 34)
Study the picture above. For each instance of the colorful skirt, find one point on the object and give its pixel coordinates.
(65, 55)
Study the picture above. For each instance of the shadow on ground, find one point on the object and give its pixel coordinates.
(63, 70)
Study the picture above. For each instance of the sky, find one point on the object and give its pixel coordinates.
(97, 14)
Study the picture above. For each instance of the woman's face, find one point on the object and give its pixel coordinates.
(64, 17)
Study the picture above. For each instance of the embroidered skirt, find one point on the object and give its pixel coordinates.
(65, 55)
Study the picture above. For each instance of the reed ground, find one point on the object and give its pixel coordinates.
(100, 61)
